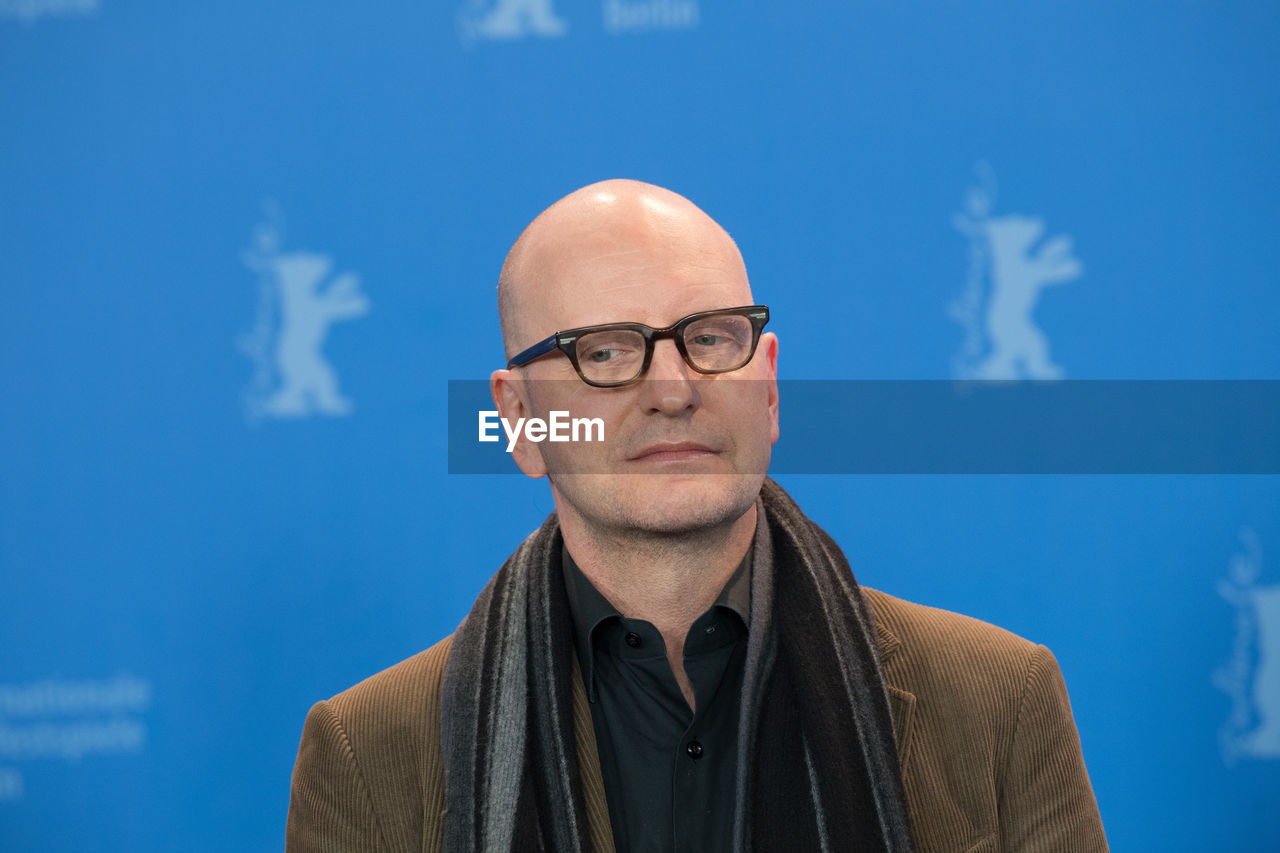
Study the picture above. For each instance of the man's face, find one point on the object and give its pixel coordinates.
(683, 451)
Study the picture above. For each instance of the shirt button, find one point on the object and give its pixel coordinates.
(633, 639)
(694, 749)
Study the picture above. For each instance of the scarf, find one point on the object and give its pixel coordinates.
(814, 715)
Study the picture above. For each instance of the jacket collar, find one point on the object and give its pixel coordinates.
(902, 703)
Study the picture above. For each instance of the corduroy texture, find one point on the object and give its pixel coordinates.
(368, 774)
(989, 753)
(815, 709)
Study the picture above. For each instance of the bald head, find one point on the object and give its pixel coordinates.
(599, 249)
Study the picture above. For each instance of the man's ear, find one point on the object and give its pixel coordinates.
(770, 343)
(510, 396)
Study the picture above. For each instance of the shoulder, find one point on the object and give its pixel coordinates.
(982, 718)
(986, 735)
(391, 725)
(947, 637)
(391, 707)
(970, 685)
(963, 673)
(368, 774)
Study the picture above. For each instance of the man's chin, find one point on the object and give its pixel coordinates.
(678, 503)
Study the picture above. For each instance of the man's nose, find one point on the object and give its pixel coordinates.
(668, 385)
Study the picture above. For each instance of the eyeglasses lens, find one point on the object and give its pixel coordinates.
(719, 343)
(714, 344)
(607, 357)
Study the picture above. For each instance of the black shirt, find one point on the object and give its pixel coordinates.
(669, 774)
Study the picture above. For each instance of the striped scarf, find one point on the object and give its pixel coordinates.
(814, 717)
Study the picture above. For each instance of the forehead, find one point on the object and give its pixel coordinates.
(649, 267)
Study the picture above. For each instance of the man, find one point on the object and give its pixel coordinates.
(678, 659)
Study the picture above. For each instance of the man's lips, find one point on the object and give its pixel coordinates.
(673, 452)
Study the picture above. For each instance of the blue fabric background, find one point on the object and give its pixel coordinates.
(244, 566)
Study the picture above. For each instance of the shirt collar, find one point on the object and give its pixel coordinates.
(590, 608)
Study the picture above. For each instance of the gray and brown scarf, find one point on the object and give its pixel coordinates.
(815, 719)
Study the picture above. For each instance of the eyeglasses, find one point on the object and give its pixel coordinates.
(619, 353)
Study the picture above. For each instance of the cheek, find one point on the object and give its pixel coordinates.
(756, 428)
(750, 400)
(584, 451)
(614, 408)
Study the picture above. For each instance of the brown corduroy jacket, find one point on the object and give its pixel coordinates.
(990, 756)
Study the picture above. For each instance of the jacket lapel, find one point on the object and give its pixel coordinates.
(584, 733)
(902, 703)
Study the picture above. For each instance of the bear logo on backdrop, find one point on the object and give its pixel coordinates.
(507, 20)
(511, 20)
(1009, 266)
(1252, 676)
(298, 300)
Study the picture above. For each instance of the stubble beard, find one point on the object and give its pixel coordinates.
(641, 512)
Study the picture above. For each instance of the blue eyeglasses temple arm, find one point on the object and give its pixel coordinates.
(542, 347)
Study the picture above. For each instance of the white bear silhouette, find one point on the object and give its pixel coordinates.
(513, 19)
(1264, 741)
(1018, 347)
(308, 382)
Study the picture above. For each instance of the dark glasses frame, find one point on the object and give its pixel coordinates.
(566, 342)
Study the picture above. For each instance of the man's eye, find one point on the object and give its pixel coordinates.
(603, 355)
(708, 340)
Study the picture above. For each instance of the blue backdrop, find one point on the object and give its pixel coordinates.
(246, 245)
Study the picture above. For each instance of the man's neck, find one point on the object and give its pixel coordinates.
(668, 581)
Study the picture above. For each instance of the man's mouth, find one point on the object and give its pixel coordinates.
(673, 451)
